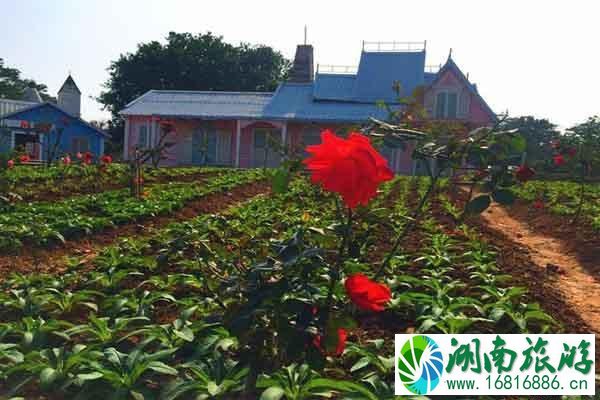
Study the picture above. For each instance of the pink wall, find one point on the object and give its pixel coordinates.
(404, 161)
(478, 115)
(179, 154)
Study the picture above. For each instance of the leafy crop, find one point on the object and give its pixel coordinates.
(191, 311)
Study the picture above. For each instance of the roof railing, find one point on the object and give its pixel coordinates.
(394, 46)
(336, 69)
(433, 68)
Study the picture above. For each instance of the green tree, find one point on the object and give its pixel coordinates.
(538, 133)
(190, 62)
(585, 138)
(12, 85)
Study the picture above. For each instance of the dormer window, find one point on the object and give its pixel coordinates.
(446, 105)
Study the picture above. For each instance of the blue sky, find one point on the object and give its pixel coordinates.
(527, 57)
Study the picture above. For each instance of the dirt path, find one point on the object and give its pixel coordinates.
(578, 287)
(55, 260)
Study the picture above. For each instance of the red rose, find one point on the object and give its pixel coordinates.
(341, 342)
(572, 152)
(106, 159)
(366, 294)
(559, 160)
(87, 158)
(66, 160)
(538, 204)
(350, 167)
(524, 173)
(24, 158)
(10, 164)
(79, 155)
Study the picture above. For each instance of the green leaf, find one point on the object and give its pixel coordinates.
(363, 362)
(212, 388)
(186, 314)
(136, 395)
(162, 368)
(341, 321)
(518, 143)
(280, 181)
(478, 205)
(272, 393)
(503, 196)
(342, 386)
(186, 334)
(48, 376)
(89, 376)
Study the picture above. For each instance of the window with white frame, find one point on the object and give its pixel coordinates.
(446, 105)
(143, 137)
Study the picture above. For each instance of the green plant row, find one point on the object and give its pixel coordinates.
(46, 223)
(28, 173)
(30, 182)
(563, 198)
(191, 311)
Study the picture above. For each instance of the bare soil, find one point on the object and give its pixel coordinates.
(568, 289)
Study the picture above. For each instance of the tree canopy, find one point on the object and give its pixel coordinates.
(191, 62)
(538, 134)
(12, 85)
(586, 138)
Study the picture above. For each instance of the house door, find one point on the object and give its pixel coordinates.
(223, 156)
(267, 147)
(28, 143)
(211, 147)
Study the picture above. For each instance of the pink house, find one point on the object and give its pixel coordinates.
(244, 129)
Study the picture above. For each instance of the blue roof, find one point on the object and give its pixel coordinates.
(378, 71)
(295, 101)
(54, 108)
(203, 104)
(374, 81)
(334, 87)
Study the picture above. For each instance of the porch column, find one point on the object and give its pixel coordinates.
(284, 139)
(153, 132)
(126, 140)
(238, 138)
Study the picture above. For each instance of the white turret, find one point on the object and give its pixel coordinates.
(69, 97)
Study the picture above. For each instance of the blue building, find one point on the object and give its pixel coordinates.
(37, 127)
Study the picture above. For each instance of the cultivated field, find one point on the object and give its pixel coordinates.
(213, 286)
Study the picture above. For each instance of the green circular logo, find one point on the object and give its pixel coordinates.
(420, 364)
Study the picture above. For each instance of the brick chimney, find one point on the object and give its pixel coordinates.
(303, 69)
